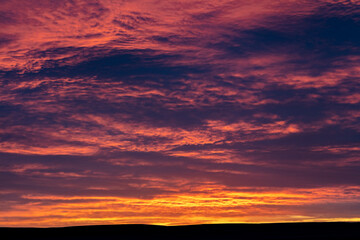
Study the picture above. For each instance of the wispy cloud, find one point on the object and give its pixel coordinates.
(178, 112)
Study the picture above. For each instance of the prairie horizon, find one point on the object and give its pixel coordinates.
(309, 231)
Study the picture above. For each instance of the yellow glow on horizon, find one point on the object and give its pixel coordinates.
(213, 205)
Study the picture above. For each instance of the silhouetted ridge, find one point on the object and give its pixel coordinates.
(286, 231)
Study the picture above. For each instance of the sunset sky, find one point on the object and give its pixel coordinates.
(179, 112)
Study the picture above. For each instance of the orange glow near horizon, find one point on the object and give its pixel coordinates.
(215, 205)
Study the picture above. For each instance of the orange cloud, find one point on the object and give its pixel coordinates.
(212, 204)
(178, 112)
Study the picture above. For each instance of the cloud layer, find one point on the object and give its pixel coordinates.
(179, 112)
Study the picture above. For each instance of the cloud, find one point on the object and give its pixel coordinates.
(178, 112)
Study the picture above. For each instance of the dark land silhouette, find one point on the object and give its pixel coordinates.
(279, 231)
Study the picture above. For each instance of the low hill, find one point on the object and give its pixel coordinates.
(280, 231)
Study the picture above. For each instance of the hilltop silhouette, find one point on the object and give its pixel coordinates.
(285, 231)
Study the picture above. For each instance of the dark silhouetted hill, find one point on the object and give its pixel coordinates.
(280, 231)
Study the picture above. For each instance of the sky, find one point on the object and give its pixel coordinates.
(179, 112)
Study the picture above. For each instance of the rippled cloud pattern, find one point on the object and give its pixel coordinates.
(179, 112)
